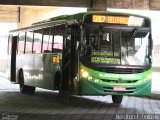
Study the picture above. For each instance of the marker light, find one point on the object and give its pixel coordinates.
(96, 80)
(90, 78)
(55, 59)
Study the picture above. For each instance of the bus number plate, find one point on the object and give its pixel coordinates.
(119, 88)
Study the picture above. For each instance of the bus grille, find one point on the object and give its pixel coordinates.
(121, 70)
(128, 90)
(119, 81)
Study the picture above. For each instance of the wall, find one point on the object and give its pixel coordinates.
(29, 15)
(9, 13)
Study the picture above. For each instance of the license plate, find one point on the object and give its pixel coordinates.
(119, 88)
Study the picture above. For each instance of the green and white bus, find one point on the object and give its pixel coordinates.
(89, 53)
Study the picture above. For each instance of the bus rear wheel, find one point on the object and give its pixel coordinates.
(117, 99)
(25, 88)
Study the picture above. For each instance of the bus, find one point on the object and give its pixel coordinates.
(91, 53)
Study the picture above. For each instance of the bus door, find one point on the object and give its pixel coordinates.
(75, 38)
(13, 59)
(69, 59)
(66, 60)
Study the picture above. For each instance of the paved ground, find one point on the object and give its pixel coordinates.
(48, 105)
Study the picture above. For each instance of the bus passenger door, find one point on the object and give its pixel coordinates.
(69, 64)
(75, 38)
(66, 60)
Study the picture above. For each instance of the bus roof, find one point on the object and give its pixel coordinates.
(71, 19)
(80, 16)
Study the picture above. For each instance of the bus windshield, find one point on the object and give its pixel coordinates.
(116, 46)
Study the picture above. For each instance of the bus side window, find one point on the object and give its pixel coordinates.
(47, 40)
(10, 44)
(21, 43)
(58, 32)
(37, 45)
(58, 42)
(29, 41)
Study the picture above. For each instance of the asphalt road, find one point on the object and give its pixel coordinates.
(49, 105)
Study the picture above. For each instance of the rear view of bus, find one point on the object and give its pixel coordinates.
(115, 55)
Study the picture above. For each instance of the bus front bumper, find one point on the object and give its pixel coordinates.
(91, 88)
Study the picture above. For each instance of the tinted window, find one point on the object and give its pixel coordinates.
(37, 41)
(58, 37)
(29, 40)
(21, 43)
(58, 42)
(47, 39)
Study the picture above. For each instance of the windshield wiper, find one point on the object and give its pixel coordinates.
(134, 32)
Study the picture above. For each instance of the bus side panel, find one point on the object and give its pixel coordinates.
(39, 70)
(45, 70)
(27, 63)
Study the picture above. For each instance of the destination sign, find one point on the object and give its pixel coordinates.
(110, 19)
(105, 53)
(105, 60)
(124, 20)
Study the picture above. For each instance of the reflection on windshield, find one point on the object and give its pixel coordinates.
(116, 46)
(135, 52)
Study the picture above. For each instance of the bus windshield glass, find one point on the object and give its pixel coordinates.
(116, 46)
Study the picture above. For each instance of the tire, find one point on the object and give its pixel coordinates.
(57, 81)
(117, 99)
(25, 88)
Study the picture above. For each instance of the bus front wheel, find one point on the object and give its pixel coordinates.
(117, 99)
(25, 88)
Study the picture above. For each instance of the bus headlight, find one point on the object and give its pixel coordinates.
(84, 73)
